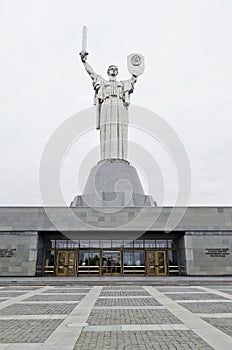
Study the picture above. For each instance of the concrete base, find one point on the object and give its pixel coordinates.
(113, 183)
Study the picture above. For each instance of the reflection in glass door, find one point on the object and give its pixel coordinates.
(111, 263)
(89, 262)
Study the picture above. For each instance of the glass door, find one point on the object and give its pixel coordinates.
(89, 262)
(66, 263)
(111, 263)
(156, 263)
(133, 262)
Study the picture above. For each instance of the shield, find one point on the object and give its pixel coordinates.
(135, 63)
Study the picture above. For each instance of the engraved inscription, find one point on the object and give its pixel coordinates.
(217, 252)
(7, 252)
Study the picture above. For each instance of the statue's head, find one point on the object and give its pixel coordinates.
(112, 71)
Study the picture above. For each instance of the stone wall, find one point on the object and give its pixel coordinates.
(143, 219)
(18, 253)
(208, 253)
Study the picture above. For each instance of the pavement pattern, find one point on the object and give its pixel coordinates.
(112, 317)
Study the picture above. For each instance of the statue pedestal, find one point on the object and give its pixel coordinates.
(113, 183)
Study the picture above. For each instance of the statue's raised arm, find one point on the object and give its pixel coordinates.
(87, 66)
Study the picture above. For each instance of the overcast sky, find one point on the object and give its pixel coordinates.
(187, 81)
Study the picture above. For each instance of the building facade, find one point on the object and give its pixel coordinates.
(57, 241)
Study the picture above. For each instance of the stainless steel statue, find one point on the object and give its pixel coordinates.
(112, 99)
(113, 182)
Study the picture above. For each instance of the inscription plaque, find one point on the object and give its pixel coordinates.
(7, 252)
(217, 252)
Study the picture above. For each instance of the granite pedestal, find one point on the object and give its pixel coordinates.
(113, 183)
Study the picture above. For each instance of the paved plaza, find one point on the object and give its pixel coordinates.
(110, 317)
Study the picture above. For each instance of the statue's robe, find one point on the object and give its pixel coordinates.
(112, 99)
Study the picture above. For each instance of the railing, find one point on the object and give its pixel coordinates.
(49, 269)
(133, 269)
(126, 270)
(87, 270)
(173, 270)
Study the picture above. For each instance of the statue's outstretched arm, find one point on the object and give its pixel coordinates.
(87, 66)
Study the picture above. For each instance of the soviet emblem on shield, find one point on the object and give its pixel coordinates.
(135, 63)
(136, 60)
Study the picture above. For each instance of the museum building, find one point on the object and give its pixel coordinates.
(56, 241)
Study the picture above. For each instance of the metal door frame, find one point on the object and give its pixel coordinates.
(156, 265)
(120, 266)
(66, 252)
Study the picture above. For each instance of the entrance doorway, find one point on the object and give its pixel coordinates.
(157, 257)
(111, 263)
(66, 263)
(156, 263)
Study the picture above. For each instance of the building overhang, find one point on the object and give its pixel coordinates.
(86, 219)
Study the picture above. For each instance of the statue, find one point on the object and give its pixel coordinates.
(112, 99)
(113, 182)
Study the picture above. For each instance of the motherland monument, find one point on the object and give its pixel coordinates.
(113, 182)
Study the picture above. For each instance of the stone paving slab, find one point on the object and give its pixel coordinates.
(129, 307)
(119, 280)
(131, 316)
(11, 294)
(226, 291)
(56, 297)
(123, 317)
(218, 292)
(24, 288)
(137, 327)
(57, 294)
(221, 287)
(114, 293)
(195, 296)
(126, 297)
(218, 315)
(129, 340)
(126, 302)
(123, 288)
(68, 290)
(26, 331)
(34, 317)
(210, 301)
(23, 346)
(186, 292)
(225, 288)
(179, 289)
(56, 302)
(221, 307)
(211, 335)
(68, 332)
(37, 309)
(224, 324)
(21, 297)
